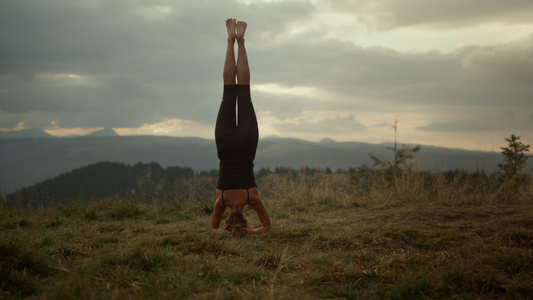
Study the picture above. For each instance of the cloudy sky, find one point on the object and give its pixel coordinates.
(453, 73)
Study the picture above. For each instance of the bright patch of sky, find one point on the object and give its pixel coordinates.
(279, 89)
(169, 127)
(419, 40)
(65, 132)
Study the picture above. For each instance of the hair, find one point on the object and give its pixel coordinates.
(236, 223)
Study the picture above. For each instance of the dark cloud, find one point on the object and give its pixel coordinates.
(141, 60)
(513, 61)
(49, 32)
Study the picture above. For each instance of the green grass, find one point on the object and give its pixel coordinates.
(331, 238)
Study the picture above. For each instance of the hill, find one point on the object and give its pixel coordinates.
(27, 161)
(139, 182)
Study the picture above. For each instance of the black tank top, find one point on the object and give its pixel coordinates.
(236, 174)
(247, 193)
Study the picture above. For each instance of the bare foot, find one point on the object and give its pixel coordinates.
(230, 25)
(241, 28)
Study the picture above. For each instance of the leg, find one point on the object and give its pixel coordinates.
(247, 121)
(230, 67)
(226, 119)
(243, 70)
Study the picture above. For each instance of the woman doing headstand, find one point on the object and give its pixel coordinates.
(236, 138)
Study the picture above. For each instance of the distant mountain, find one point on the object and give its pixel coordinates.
(27, 161)
(24, 162)
(33, 133)
(327, 140)
(103, 132)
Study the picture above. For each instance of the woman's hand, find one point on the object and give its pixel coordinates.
(248, 231)
(226, 229)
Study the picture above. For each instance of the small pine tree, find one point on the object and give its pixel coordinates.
(401, 156)
(515, 157)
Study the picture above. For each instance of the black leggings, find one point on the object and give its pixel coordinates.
(236, 136)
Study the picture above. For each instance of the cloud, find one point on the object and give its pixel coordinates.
(168, 127)
(340, 123)
(452, 14)
(125, 64)
(140, 60)
(313, 124)
(513, 60)
(384, 80)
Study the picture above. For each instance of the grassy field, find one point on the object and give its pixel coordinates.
(333, 237)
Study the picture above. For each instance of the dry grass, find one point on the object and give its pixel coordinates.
(332, 238)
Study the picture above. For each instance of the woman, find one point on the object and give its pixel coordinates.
(236, 143)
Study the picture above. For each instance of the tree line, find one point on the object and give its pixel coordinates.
(149, 182)
(141, 182)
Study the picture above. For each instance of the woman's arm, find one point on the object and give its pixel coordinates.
(262, 213)
(216, 218)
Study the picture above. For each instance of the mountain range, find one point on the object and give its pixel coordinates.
(31, 156)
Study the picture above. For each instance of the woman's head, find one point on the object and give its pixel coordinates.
(236, 224)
